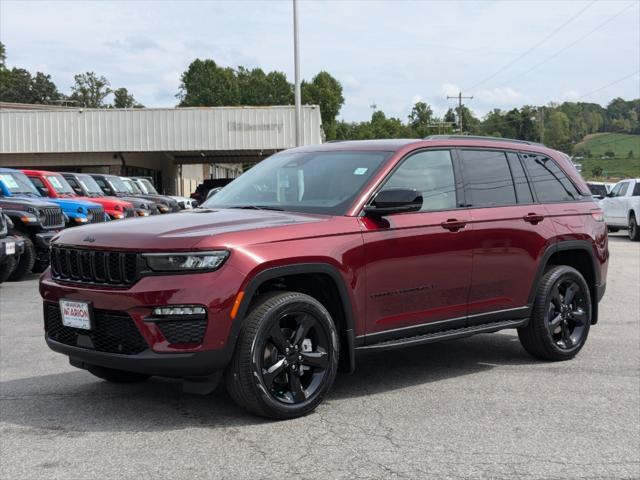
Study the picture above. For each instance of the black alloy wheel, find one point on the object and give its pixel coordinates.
(561, 315)
(633, 230)
(286, 356)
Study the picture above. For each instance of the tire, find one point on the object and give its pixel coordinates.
(26, 262)
(117, 376)
(286, 356)
(633, 231)
(559, 326)
(612, 229)
(6, 268)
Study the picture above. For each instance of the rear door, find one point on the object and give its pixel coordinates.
(418, 265)
(510, 234)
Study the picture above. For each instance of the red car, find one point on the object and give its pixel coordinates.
(323, 251)
(56, 186)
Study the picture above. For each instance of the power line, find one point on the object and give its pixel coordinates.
(531, 49)
(558, 52)
(607, 86)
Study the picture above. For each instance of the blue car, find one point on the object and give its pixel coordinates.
(14, 183)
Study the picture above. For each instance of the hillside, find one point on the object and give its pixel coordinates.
(594, 150)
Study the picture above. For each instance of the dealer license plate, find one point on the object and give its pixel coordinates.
(10, 248)
(76, 314)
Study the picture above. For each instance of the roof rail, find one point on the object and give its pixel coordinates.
(479, 137)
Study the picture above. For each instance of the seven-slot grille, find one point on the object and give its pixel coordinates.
(112, 332)
(51, 217)
(97, 214)
(3, 224)
(129, 212)
(94, 266)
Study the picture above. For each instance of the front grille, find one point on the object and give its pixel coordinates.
(113, 332)
(3, 225)
(129, 212)
(183, 331)
(51, 217)
(94, 266)
(97, 214)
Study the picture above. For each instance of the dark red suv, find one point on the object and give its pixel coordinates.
(322, 251)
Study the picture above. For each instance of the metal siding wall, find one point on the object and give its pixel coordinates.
(154, 130)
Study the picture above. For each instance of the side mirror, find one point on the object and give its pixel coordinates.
(78, 191)
(394, 200)
(610, 195)
(44, 191)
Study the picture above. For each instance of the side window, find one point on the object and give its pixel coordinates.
(616, 189)
(548, 180)
(487, 178)
(523, 190)
(624, 186)
(431, 173)
(39, 185)
(103, 185)
(636, 190)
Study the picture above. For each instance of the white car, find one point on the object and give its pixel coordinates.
(147, 187)
(622, 207)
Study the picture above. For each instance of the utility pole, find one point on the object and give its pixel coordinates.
(296, 62)
(460, 97)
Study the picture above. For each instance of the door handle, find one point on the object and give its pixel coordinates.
(533, 218)
(453, 225)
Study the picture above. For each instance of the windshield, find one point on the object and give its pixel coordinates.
(147, 186)
(314, 182)
(131, 186)
(17, 183)
(89, 185)
(59, 184)
(117, 185)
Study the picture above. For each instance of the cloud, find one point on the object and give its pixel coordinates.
(449, 89)
(500, 96)
(571, 95)
(135, 44)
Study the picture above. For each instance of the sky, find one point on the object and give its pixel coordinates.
(385, 53)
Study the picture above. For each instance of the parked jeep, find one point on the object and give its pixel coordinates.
(11, 248)
(165, 203)
(144, 184)
(35, 221)
(323, 251)
(111, 185)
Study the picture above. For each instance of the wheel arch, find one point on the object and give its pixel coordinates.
(307, 278)
(578, 254)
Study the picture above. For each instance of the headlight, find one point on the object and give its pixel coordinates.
(163, 208)
(80, 210)
(185, 262)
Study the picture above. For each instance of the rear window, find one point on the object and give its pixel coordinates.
(487, 178)
(597, 190)
(636, 190)
(548, 180)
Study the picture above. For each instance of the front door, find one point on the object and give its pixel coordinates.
(418, 264)
(614, 205)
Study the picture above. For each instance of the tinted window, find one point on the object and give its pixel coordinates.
(548, 180)
(623, 189)
(616, 189)
(523, 190)
(636, 190)
(431, 173)
(487, 178)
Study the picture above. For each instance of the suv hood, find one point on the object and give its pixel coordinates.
(35, 202)
(70, 206)
(179, 232)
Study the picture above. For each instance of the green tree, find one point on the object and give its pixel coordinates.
(90, 90)
(556, 130)
(205, 84)
(123, 99)
(420, 118)
(630, 154)
(597, 171)
(16, 86)
(43, 90)
(325, 91)
(3, 55)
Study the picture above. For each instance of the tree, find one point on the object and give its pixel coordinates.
(420, 118)
(123, 99)
(3, 55)
(326, 91)
(597, 171)
(205, 84)
(90, 90)
(16, 86)
(556, 130)
(630, 154)
(43, 90)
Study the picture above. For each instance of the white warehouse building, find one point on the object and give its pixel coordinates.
(177, 147)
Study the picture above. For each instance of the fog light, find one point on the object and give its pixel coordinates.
(184, 310)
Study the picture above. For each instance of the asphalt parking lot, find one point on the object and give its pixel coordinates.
(478, 407)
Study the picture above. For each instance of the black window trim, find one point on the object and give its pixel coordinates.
(457, 178)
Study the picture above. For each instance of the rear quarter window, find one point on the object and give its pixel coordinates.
(548, 180)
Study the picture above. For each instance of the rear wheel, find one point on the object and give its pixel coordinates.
(561, 316)
(6, 268)
(286, 357)
(117, 376)
(633, 231)
(27, 260)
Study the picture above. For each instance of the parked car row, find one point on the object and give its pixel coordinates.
(621, 207)
(35, 205)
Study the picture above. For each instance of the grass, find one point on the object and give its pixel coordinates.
(613, 168)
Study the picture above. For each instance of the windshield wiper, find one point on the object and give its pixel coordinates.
(258, 207)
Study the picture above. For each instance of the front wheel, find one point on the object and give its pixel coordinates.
(633, 231)
(286, 357)
(561, 316)
(26, 261)
(7, 267)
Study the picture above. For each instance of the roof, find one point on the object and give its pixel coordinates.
(202, 129)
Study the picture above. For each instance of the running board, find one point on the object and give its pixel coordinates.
(445, 335)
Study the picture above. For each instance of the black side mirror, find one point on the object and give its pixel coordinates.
(44, 191)
(394, 200)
